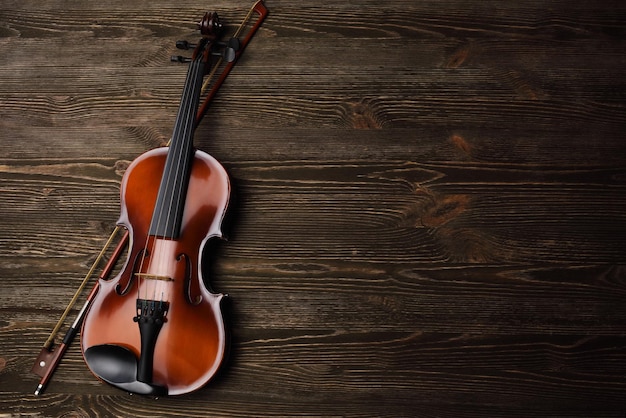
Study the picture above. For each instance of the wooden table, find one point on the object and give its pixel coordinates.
(429, 201)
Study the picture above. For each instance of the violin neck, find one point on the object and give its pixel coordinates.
(168, 210)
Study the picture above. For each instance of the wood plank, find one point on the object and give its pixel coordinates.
(437, 213)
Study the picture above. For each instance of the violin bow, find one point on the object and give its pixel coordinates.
(49, 358)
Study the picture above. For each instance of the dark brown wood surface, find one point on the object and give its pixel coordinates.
(429, 201)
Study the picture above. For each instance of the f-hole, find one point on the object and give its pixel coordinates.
(141, 254)
(187, 288)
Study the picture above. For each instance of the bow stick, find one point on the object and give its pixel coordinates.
(262, 11)
(48, 359)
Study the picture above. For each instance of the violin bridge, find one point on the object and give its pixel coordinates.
(149, 276)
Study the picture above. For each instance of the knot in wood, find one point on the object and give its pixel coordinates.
(121, 166)
(443, 209)
(362, 116)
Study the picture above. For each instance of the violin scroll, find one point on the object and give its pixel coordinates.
(210, 25)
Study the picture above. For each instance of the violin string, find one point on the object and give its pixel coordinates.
(157, 218)
(185, 153)
(181, 133)
(177, 171)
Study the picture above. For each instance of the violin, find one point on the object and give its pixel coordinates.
(157, 328)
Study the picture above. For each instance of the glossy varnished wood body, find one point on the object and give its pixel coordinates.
(428, 207)
(191, 344)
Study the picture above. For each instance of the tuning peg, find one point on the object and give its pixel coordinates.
(233, 43)
(184, 45)
(230, 48)
(180, 58)
(227, 53)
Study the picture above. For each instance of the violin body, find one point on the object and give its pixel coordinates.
(179, 349)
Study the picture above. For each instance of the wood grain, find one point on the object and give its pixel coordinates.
(428, 201)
